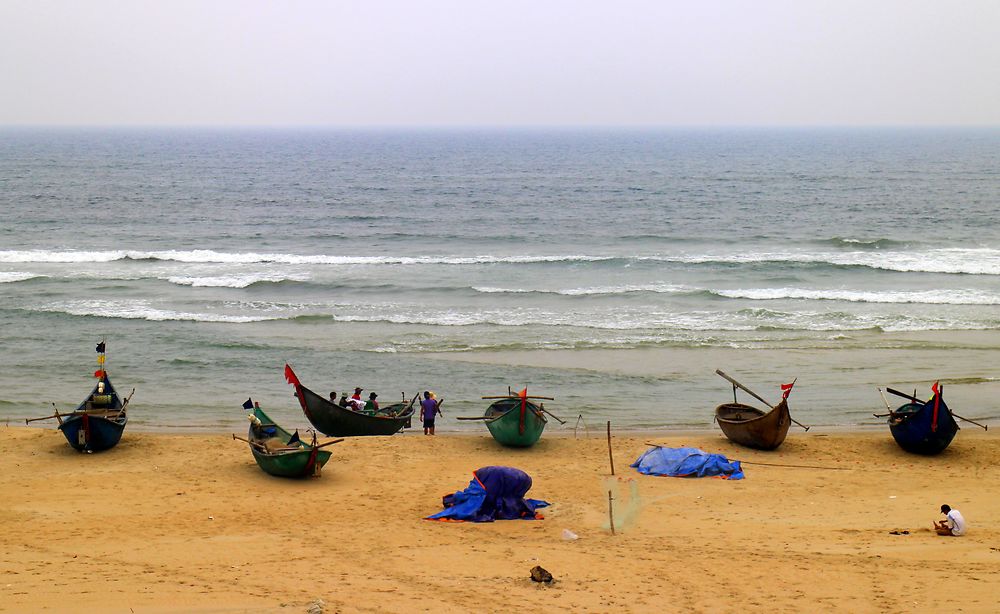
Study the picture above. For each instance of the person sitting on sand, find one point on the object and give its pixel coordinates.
(429, 408)
(953, 523)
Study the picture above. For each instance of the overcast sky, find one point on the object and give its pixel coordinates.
(500, 63)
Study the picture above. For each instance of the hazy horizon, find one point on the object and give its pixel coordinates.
(445, 64)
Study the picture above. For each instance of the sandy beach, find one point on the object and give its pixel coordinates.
(169, 523)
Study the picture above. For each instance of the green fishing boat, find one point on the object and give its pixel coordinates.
(515, 421)
(281, 453)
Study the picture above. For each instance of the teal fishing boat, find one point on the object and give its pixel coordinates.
(515, 420)
(281, 453)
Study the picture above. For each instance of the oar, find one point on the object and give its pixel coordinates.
(888, 408)
(27, 420)
(328, 443)
(558, 419)
(55, 415)
(755, 395)
(916, 400)
(463, 417)
(905, 395)
(252, 443)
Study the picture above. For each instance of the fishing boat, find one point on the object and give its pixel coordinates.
(753, 427)
(99, 420)
(923, 427)
(515, 422)
(281, 453)
(336, 421)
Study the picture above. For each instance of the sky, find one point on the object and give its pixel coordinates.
(509, 63)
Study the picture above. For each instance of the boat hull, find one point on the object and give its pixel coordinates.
(87, 433)
(506, 425)
(306, 461)
(912, 427)
(753, 428)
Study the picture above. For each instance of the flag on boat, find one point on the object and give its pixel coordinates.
(290, 376)
(786, 389)
(99, 373)
(100, 359)
(935, 389)
(248, 404)
(100, 347)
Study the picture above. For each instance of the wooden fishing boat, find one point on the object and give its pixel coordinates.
(98, 422)
(281, 453)
(753, 427)
(336, 421)
(923, 427)
(515, 422)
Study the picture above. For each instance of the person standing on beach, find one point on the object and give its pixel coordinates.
(429, 408)
(953, 523)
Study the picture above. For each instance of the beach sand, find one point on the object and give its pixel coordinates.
(177, 523)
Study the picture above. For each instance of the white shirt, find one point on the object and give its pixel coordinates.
(957, 522)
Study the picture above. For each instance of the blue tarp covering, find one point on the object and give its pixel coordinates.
(687, 462)
(495, 493)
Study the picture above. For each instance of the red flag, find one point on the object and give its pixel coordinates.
(934, 388)
(290, 376)
(786, 389)
(99, 373)
(524, 406)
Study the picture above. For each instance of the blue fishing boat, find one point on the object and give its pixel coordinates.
(98, 422)
(923, 427)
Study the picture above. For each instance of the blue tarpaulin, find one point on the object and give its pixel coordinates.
(495, 493)
(687, 462)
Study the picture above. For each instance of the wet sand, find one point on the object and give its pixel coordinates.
(168, 523)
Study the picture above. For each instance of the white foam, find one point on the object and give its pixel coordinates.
(231, 281)
(140, 310)
(9, 277)
(594, 290)
(971, 261)
(929, 297)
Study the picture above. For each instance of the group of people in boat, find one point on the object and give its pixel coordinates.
(356, 403)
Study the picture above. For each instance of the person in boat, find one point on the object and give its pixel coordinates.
(343, 400)
(429, 408)
(371, 405)
(355, 402)
(333, 397)
(953, 523)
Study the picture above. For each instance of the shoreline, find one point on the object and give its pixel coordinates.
(188, 523)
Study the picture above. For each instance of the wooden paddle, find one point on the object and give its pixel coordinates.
(756, 396)
(259, 446)
(560, 420)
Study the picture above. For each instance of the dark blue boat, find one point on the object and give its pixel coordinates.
(923, 427)
(98, 422)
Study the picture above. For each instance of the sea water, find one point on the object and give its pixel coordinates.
(470, 261)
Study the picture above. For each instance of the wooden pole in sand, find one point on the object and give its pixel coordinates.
(611, 456)
(611, 512)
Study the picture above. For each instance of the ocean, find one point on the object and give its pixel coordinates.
(614, 270)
